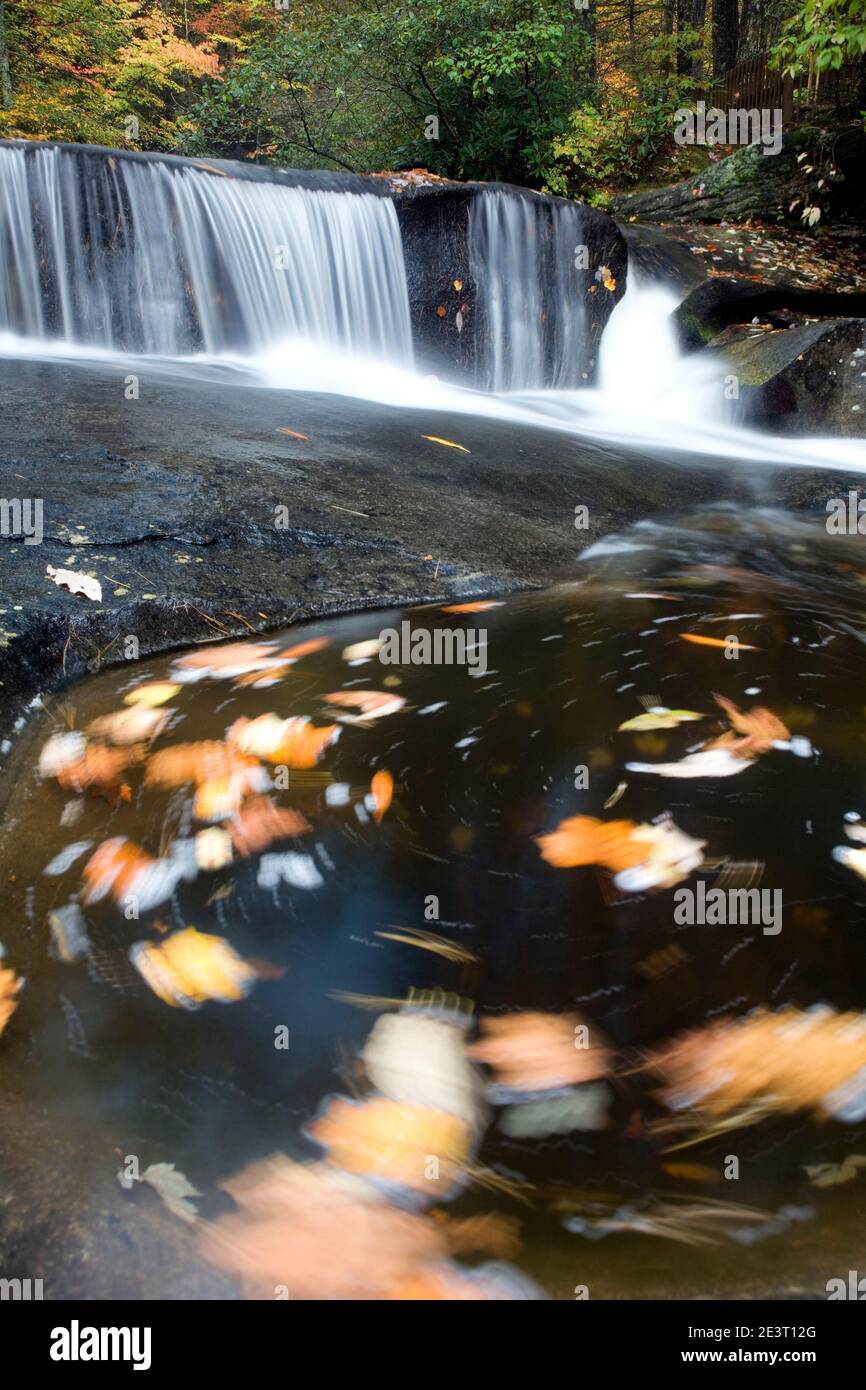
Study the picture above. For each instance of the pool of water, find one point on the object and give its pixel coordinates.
(444, 897)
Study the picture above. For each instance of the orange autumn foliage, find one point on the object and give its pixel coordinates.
(259, 822)
(196, 762)
(99, 768)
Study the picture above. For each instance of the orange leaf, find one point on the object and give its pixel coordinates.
(480, 606)
(700, 641)
(315, 644)
(382, 787)
(588, 840)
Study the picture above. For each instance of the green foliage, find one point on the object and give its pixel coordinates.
(354, 87)
(612, 140)
(824, 34)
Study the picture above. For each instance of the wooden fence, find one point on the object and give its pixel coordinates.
(753, 85)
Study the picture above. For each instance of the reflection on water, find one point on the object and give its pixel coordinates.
(409, 851)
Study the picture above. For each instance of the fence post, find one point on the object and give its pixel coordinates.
(787, 99)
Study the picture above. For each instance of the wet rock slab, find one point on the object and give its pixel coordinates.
(172, 502)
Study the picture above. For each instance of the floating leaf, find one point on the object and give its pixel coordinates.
(152, 694)
(294, 742)
(476, 606)
(9, 990)
(189, 967)
(659, 718)
(137, 724)
(731, 645)
(382, 789)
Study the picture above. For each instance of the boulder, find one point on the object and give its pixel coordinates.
(719, 302)
(804, 380)
(777, 188)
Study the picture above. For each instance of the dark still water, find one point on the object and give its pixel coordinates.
(415, 873)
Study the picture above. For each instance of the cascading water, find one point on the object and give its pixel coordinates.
(523, 257)
(155, 258)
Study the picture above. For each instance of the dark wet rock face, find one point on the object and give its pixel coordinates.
(717, 303)
(653, 255)
(170, 502)
(802, 380)
(797, 354)
(451, 315)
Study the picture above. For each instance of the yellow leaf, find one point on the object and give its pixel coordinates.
(449, 443)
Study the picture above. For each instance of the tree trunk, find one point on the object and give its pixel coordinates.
(725, 36)
(5, 78)
(683, 22)
(699, 13)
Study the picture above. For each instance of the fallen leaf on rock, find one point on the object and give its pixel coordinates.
(449, 443)
(174, 1189)
(76, 583)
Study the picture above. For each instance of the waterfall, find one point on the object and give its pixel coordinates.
(168, 259)
(523, 254)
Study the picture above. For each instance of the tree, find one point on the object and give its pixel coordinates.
(5, 77)
(469, 88)
(725, 36)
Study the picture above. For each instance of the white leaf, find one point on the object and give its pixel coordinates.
(76, 583)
